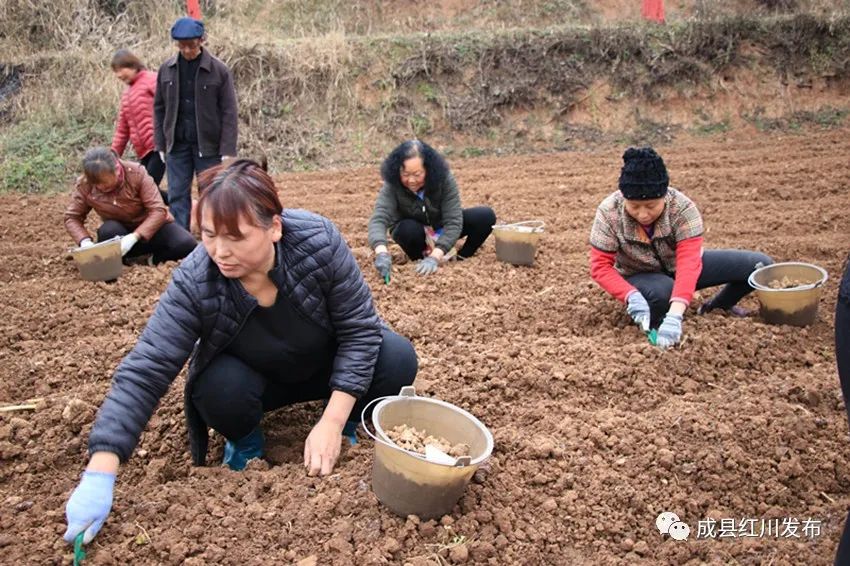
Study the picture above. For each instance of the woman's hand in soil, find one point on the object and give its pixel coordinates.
(383, 263)
(427, 266)
(321, 449)
(89, 505)
(638, 309)
(670, 331)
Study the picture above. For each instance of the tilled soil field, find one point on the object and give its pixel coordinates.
(596, 431)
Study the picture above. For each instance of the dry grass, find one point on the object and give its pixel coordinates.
(315, 88)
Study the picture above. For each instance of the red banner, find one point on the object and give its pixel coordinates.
(653, 10)
(193, 9)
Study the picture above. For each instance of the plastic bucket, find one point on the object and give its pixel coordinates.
(517, 243)
(100, 262)
(406, 482)
(797, 306)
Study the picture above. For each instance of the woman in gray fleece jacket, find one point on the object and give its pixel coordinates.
(419, 204)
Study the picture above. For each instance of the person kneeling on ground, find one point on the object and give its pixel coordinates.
(842, 361)
(126, 198)
(280, 313)
(420, 203)
(646, 250)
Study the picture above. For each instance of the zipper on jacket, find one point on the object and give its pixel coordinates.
(425, 211)
(658, 257)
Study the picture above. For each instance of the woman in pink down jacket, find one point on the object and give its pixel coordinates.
(135, 116)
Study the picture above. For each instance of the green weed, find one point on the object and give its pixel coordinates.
(42, 157)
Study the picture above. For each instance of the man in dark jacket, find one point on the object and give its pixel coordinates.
(195, 114)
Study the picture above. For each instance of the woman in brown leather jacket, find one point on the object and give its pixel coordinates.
(129, 203)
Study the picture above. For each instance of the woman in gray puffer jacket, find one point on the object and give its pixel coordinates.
(273, 310)
(420, 204)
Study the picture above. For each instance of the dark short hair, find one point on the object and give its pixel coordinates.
(436, 168)
(239, 188)
(124, 59)
(97, 161)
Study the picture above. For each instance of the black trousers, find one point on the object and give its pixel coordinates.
(232, 397)
(154, 166)
(170, 243)
(719, 267)
(156, 169)
(842, 357)
(477, 225)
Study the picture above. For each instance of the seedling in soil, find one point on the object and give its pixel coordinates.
(143, 538)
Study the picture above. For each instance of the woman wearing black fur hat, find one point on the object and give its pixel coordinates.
(420, 204)
(646, 250)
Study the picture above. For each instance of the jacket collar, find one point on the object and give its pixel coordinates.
(244, 300)
(205, 64)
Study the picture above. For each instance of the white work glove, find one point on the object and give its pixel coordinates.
(427, 266)
(638, 309)
(127, 242)
(86, 243)
(670, 331)
(226, 157)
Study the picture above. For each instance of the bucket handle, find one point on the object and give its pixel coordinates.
(405, 392)
(537, 225)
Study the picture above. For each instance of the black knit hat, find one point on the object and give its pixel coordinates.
(644, 175)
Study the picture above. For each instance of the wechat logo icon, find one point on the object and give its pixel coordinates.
(668, 523)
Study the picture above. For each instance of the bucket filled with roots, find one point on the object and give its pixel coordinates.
(426, 452)
(789, 293)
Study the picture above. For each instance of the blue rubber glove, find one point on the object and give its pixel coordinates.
(89, 506)
(427, 266)
(670, 331)
(638, 309)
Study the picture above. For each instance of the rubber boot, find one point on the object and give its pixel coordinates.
(350, 431)
(237, 454)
